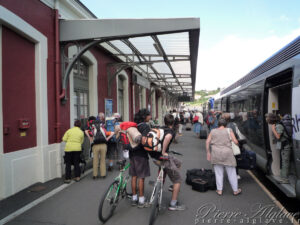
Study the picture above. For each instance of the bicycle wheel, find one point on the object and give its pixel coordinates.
(155, 204)
(108, 202)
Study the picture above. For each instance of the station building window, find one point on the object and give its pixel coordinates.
(121, 95)
(142, 97)
(81, 90)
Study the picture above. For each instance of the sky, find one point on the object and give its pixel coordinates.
(235, 35)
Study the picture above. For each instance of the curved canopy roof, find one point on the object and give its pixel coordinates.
(164, 51)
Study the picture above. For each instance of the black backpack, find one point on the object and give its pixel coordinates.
(286, 122)
(99, 137)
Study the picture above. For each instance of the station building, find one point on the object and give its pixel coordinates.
(59, 62)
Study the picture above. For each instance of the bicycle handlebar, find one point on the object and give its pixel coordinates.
(175, 153)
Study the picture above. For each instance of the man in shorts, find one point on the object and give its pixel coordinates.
(172, 166)
(139, 160)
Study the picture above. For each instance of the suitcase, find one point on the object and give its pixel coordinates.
(246, 160)
(203, 132)
(188, 126)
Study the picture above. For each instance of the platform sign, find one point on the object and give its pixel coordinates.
(184, 98)
(108, 107)
(296, 113)
(142, 81)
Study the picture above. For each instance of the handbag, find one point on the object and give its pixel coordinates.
(235, 149)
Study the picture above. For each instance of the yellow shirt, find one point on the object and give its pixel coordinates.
(74, 138)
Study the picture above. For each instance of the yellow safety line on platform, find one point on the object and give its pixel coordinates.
(272, 197)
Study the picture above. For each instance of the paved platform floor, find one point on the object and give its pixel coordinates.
(78, 203)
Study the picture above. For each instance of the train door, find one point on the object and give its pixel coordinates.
(279, 101)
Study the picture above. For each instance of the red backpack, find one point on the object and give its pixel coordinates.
(196, 118)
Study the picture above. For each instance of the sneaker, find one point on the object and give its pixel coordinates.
(134, 202)
(77, 179)
(171, 188)
(177, 207)
(142, 205)
(238, 177)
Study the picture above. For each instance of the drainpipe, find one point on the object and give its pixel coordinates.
(57, 76)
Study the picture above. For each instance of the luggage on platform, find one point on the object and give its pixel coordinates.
(246, 160)
(203, 132)
(188, 126)
(201, 179)
(199, 185)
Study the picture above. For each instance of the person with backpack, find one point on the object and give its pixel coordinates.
(74, 138)
(213, 120)
(99, 148)
(172, 166)
(198, 122)
(139, 160)
(112, 151)
(282, 131)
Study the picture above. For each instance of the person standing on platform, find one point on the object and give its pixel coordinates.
(74, 138)
(139, 160)
(198, 122)
(221, 156)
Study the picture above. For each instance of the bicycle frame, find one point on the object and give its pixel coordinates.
(121, 180)
(160, 179)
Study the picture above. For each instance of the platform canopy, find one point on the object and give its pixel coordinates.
(164, 51)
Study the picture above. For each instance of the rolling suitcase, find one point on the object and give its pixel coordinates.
(246, 160)
(188, 126)
(203, 132)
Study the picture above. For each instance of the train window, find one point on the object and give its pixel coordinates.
(223, 106)
(247, 108)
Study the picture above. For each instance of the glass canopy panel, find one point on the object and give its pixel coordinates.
(144, 45)
(175, 44)
(109, 48)
(185, 80)
(183, 67)
(123, 47)
(162, 67)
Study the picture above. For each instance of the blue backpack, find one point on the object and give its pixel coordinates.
(110, 126)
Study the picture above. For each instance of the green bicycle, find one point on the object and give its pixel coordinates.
(111, 197)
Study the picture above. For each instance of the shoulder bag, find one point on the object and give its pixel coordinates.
(236, 150)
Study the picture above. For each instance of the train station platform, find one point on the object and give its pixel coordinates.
(77, 203)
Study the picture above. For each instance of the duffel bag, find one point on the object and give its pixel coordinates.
(199, 185)
(205, 174)
(190, 175)
(246, 160)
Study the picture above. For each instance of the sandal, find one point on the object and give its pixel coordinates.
(239, 191)
(219, 192)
